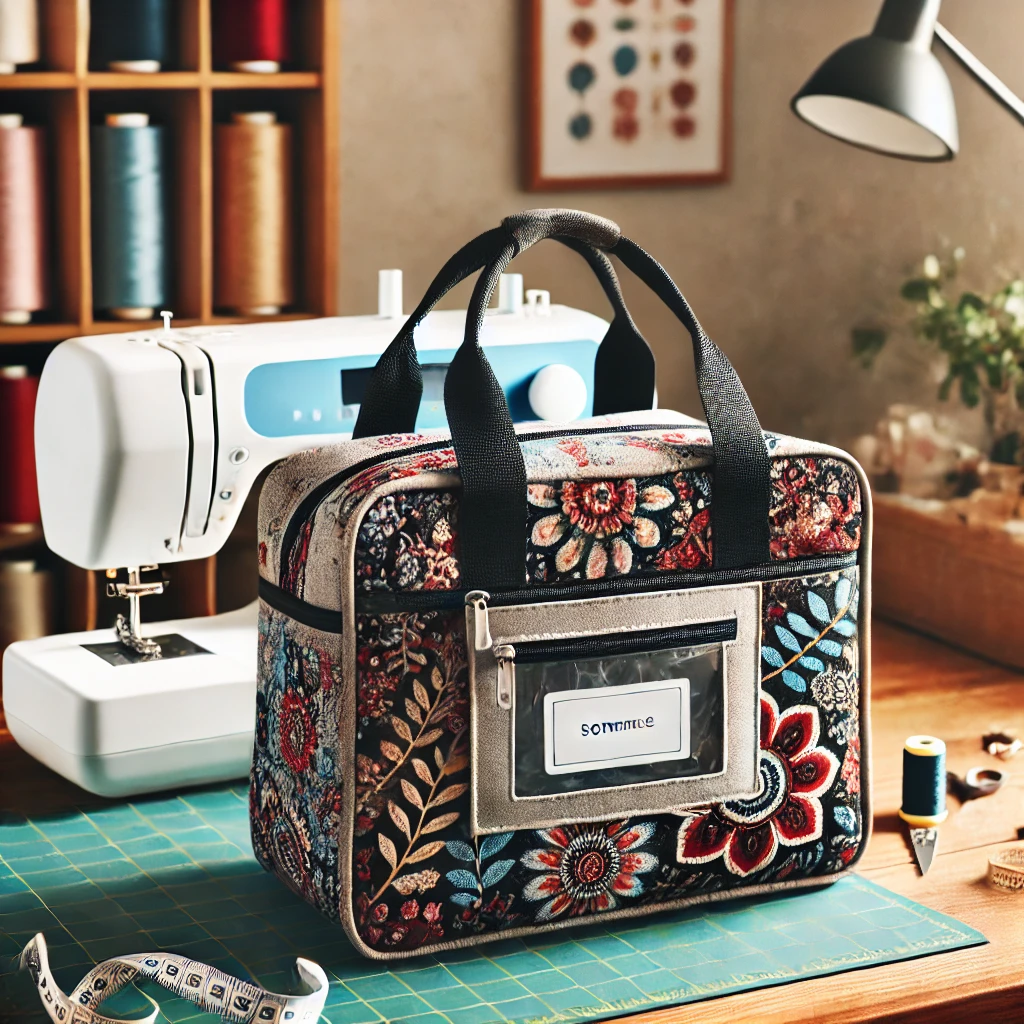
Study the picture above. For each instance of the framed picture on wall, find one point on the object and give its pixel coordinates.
(628, 92)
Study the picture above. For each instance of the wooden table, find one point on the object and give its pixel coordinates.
(919, 686)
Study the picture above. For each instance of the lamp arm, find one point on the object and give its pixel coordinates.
(996, 86)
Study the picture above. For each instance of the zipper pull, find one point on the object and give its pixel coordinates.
(477, 600)
(506, 657)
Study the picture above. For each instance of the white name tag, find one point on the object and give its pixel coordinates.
(615, 726)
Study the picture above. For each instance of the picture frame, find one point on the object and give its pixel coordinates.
(627, 93)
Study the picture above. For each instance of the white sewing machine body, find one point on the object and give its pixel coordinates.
(147, 444)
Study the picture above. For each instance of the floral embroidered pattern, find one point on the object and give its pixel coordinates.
(593, 529)
(295, 799)
(613, 527)
(795, 772)
(587, 868)
(412, 834)
(816, 507)
(409, 541)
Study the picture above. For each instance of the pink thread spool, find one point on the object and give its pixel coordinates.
(24, 287)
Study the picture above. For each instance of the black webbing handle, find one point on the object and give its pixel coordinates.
(493, 507)
(391, 402)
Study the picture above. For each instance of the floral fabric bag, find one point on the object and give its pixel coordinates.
(510, 682)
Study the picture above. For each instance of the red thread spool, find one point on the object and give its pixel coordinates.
(251, 35)
(19, 495)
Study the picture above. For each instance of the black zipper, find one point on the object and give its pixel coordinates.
(383, 602)
(585, 647)
(327, 620)
(311, 502)
(386, 602)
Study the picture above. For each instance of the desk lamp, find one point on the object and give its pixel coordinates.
(888, 93)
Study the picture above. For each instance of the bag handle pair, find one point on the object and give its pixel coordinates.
(493, 506)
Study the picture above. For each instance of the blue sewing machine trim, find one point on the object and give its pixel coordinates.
(321, 396)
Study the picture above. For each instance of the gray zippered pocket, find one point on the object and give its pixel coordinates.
(584, 710)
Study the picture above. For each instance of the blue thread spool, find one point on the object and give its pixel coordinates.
(924, 782)
(129, 220)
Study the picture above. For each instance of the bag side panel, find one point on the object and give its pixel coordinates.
(421, 880)
(295, 783)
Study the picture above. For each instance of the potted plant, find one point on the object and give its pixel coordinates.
(982, 340)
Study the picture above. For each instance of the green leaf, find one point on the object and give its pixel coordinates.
(917, 289)
(970, 303)
(867, 342)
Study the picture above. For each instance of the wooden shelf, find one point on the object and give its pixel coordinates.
(39, 80)
(72, 97)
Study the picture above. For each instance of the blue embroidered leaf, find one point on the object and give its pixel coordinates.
(793, 681)
(819, 609)
(845, 819)
(812, 664)
(496, 872)
(842, 593)
(493, 844)
(464, 899)
(831, 648)
(460, 850)
(845, 627)
(462, 879)
(801, 625)
(772, 656)
(787, 639)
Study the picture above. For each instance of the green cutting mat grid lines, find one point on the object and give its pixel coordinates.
(179, 874)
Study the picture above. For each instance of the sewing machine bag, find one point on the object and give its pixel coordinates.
(516, 679)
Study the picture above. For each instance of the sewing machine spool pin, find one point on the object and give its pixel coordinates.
(129, 630)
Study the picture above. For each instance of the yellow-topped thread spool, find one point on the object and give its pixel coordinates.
(924, 782)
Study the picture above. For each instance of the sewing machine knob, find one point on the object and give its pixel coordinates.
(557, 393)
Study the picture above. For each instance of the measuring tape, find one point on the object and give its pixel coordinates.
(212, 990)
(1006, 869)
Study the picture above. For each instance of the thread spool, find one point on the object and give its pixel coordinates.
(19, 496)
(924, 782)
(129, 230)
(253, 188)
(26, 602)
(19, 34)
(251, 35)
(133, 37)
(24, 264)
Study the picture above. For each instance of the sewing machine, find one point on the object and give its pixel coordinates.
(147, 444)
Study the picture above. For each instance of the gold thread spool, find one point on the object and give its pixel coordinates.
(26, 606)
(23, 263)
(253, 189)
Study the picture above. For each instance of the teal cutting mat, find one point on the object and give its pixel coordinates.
(179, 874)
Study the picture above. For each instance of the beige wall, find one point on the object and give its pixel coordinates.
(808, 237)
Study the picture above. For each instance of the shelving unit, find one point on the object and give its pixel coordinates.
(68, 96)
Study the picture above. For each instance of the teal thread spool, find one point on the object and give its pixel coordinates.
(129, 218)
(924, 782)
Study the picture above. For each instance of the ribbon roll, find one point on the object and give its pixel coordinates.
(210, 989)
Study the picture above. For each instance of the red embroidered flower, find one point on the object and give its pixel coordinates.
(298, 736)
(432, 913)
(816, 508)
(587, 868)
(692, 517)
(597, 518)
(410, 909)
(795, 772)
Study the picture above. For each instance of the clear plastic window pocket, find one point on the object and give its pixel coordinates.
(585, 710)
